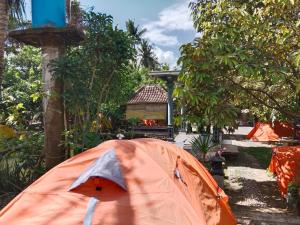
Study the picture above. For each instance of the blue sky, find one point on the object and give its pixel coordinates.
(168, 22)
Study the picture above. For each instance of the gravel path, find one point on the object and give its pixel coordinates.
(254, 195)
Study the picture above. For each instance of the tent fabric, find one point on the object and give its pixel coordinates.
(285, 129)
(284, 163)
(263, 132)
(155, 195)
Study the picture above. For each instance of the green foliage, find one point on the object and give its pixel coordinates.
(77, 142)
(246, 57)
(202, 145)
(262, 155)
(98, 68)
(21, 162)
(22, 88)
(134, 121)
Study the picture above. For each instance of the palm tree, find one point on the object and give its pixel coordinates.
(8, 9)
(134, 31)
(148, 58)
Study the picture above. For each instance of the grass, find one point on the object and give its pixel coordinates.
(263, 155)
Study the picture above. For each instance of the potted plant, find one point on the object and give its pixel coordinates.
(201, 146)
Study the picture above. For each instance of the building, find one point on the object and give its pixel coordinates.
(149, 105)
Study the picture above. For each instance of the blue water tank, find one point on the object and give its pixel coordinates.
(48, 13)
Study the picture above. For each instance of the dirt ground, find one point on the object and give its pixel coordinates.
(254, 195)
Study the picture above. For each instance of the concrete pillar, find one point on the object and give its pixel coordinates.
(53, 109)
(170, 86)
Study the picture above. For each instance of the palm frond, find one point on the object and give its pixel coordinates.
(202, 145)
(16, 8)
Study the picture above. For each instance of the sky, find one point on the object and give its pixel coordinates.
(168, 22)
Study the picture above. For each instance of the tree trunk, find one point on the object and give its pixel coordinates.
(53, 110)
(3, 35)
(68, 9)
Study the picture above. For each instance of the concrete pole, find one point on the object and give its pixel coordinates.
(53, 109)
(170, 86)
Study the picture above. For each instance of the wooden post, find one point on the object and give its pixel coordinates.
(53, 109)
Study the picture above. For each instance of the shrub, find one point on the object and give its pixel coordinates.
(201, 146)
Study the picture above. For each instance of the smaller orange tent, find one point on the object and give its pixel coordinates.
(284, 164)
(263, 132)
(267, 132)
(124, 182)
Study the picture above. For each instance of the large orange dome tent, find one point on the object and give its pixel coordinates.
(128, 182)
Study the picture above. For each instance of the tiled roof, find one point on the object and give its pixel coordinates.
(149, 94)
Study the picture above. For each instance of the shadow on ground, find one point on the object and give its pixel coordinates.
(253, 193)
(264, 195)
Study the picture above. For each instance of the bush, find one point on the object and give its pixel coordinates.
(21, 163)
(292, 193)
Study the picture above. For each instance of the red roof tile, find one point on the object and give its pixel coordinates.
(149, 94)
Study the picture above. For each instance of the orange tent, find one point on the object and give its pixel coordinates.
(128, 182)
(267, 132)
(262, 132)
(284, 164)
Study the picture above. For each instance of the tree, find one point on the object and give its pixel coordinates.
(247, 56)
(97, 77)
(148, 58)
(146, 54)
(8, 8)
(134, 30)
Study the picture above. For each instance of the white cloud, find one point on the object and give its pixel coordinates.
(166, 57)
(174, 18)
(157, 36)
